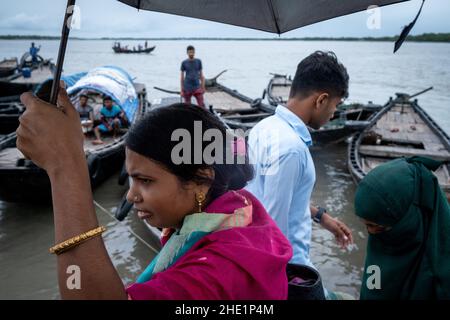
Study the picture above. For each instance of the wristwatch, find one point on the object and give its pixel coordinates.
(318, 217)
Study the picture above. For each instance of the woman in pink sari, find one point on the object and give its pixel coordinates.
(219, 242)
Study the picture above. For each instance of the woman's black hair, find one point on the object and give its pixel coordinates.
(152, 136)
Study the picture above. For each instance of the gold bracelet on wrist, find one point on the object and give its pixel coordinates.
(75, 241)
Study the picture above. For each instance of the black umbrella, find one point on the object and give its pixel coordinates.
(276, 16)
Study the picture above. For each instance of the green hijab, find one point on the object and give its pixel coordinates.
(414, 255)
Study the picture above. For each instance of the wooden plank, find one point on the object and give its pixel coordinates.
(246, 116)
(397, 152)
(407, 127)
(223, 101)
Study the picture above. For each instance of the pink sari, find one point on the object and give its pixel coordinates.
(239, 263)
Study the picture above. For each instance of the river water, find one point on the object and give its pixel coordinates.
(28, 271)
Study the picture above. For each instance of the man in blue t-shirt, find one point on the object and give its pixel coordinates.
(112, 118)
(34, 53)
(192, 79)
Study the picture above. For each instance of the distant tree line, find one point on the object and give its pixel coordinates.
(426, 37)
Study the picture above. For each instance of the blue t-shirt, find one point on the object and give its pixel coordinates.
(33, 51)
(192, 70)
(111, 114)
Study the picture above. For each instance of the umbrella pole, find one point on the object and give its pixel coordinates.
(61, 53)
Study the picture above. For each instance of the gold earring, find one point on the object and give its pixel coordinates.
(200, 197)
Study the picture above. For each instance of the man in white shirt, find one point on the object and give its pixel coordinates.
(279, 149)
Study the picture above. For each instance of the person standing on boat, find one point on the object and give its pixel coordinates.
(279, 150)
(34, 53)
(112, 118)
(192, 79)
(86, 113)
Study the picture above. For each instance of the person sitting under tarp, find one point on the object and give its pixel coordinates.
(86, 114)
(112, 119)
(34, 53)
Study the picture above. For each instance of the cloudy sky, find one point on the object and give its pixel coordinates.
(110, 18)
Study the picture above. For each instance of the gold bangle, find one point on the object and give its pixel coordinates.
(75, 241)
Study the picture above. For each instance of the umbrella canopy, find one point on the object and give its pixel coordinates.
(276, 16)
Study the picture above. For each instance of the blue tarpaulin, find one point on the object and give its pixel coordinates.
(111, 81)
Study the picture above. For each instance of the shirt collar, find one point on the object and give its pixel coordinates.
(295, 122)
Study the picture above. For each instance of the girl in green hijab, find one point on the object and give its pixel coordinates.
(408, 219)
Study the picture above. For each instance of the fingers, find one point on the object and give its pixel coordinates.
(26, 125)
(30, 101)
(23, 140)
(343, 235)
(347, 232)
(27, 99)
(64, 100)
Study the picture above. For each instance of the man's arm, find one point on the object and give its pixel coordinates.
(91, 116)
(202, 81)
(123, 117)
(58, 149)
(182, 82)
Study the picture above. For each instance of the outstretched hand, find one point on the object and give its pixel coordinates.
(342, 233)
(50, 136)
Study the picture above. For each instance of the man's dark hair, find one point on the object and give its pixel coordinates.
(320, 71)
(107, 98)
(190, 48)
(83, 95)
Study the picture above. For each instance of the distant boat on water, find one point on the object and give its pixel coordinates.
(118, 48)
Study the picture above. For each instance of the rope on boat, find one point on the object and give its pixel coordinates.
(129, 229)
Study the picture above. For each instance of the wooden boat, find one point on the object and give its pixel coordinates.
(8, 67)
(278, 89)
(118, 49)
(401, 129)
(12, 87)
(22, 181)
(237, 110)
(348, 119)
(9, 116)
(234, 108)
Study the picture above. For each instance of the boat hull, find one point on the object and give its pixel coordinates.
(23, 181)
(28, 183)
